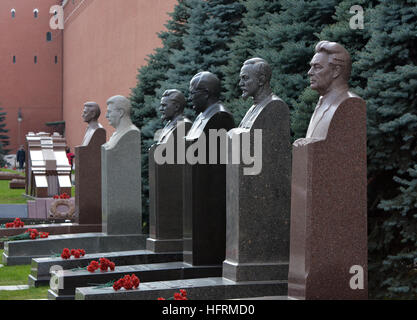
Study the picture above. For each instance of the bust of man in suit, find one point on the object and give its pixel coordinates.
(118, 115)
(91, 113)
(172, 108)
(205, 95)
(329, 74)
(255, 77)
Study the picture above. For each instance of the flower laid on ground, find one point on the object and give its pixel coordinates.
(128, 282)
(104, 265)
(17, 223)
(62, 196)
(34, 234)
(182, 295)
(28, 234)
(77, 253)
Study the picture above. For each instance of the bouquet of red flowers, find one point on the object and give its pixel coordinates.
(62, 196)
(104, 265)
(127, 282)
(77, 253)
(17, 223)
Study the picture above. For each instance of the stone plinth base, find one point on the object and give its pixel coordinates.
(70, 280)
(40, 270)
(22, 252)
(197, 289)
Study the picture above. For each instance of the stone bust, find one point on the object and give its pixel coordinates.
(91, 113)
(329, 75)
(255, 77)
(171, 107)
(118, 115)
(205, 94)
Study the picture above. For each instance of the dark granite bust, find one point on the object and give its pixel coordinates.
(255, 77)
(91, 113)
(172, 108)
(205, 95)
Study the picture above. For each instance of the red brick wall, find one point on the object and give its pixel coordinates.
(105, 42)
(35, 88)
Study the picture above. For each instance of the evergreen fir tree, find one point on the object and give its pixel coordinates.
(352, 39)
(286, 39)
(388, 66)
(144, 114)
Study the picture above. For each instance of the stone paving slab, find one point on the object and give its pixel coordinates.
(14, 288)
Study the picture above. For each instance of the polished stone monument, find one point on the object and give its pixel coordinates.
(121, 172)
(165, 176)
(121, 198)
(328, 244)
(205, 174)
(259, 192)
(88, 168)
(257, 248)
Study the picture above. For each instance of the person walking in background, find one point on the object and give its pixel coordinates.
(21, 157)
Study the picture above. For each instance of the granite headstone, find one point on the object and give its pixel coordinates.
(165, 177)
(328, 246)
(88, 168)
(258, 193)
(121, 183)
(204, 225)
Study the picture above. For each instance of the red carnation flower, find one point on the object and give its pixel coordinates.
(82, 252)
(135, 281)
(160, 298)
(91, 268)
(112, 265)
(183, 293)
(76, 254)
(94, 264)
(33, 236)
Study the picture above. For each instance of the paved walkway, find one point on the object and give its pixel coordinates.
(14, 288)
(13, 211)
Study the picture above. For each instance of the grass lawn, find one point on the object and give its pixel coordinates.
(18, 275)
(11, 196)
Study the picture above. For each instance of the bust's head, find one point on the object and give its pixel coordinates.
(118, 110)
(330, 67)
(204, 90)
(91, 112)
(254, 76)
(172, 104)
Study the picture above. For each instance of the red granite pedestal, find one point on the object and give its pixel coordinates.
(329, 210)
